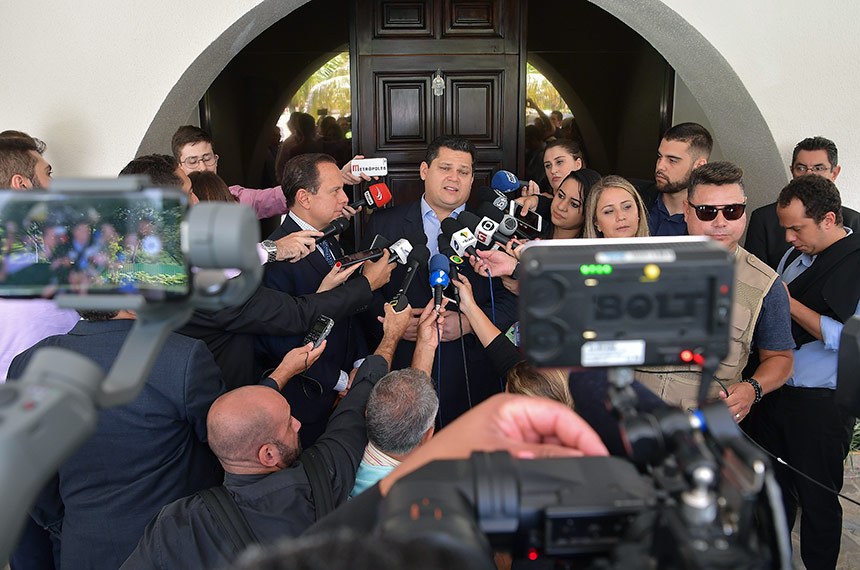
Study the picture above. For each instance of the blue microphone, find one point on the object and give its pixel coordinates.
(506, 181)
(439, 267)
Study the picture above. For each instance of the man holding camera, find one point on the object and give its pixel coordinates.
(715, 207)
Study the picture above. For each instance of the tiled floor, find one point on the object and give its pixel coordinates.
(849, 554)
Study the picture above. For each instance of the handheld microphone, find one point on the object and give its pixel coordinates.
(493, 197)
(376, 196)
(506, 181)
(419, 256)
(439, 267)
(507, 225)
(485, 227)
(462, 239)
(333, 229)
(448, 251)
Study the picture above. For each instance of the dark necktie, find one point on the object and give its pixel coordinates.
(326, 250)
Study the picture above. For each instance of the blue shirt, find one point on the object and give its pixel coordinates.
(814, 362)
(433, 225)
(661, 223)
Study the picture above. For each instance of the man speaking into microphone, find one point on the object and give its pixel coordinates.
(448, 174)
(313, 189)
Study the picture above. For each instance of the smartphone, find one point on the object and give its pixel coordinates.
(531, 223)
(92, 243)
(358, 257)
(370, 166)
(319, 331)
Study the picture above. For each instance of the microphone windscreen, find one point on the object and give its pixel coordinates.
(439, 263)
(469, 220)
(505, 181)
(487, 210)
(450, 226)
(380, 194)
(419, 253)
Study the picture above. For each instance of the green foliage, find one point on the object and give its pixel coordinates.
(541, 91)
(328, 87)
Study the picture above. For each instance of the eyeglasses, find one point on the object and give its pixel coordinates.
(803, 169)
(207, 159)
(709, 213)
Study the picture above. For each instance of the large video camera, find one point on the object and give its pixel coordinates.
(694, 494)
(104, 245)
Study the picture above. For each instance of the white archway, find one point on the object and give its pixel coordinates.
(733, 114)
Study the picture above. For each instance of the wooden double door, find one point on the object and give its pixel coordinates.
(475, 48)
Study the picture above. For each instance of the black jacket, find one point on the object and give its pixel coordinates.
(280, 504)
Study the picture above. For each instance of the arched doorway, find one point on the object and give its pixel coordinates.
(736, 121)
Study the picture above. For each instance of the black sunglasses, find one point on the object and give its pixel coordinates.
(709, 213)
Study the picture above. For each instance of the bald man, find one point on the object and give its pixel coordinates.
(255, 437)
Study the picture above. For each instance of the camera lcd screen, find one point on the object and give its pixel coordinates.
(93, 244)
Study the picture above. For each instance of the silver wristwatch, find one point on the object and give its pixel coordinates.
(271, 250)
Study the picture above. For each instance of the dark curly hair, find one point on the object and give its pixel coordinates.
(818, 195)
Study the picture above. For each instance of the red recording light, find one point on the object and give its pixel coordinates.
(724, 289)
(533, 554)
(686, 355)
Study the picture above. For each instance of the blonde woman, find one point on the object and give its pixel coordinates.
(614, 209)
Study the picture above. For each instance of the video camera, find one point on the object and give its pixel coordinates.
(104, 245)
(695, 493)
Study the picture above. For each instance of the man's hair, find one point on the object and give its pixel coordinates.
(613, 181)
(452, 142)
(550, 383)
(817, 143)
(161, 169)
(209, 187)
(401, 408)
(188, 134)
(10, 133)
(97, 316)
(700, 140)
(556, 114)
(571, 146)
(16, 158)
(818, 195)
(302, 172)
(717, 174)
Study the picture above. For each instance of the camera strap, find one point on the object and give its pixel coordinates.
(228, 516)
(317, 474)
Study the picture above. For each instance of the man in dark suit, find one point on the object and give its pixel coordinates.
(448, 173)
(142, 456)
(765, 237)
(313, 188)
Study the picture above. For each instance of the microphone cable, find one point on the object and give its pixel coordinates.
(439, 368)
(463, 348)
(493, 310)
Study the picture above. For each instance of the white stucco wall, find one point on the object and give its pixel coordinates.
(90, 76)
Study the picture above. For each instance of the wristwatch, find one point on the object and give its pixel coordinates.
(756, 386)
(271, 250)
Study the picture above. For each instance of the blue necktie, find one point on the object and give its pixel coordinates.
(326, 250)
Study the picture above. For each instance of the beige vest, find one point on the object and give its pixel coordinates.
(679, 385)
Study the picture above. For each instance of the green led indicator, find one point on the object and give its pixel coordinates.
(595, 269)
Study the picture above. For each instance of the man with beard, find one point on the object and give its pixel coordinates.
(278, 489)
(684, 148)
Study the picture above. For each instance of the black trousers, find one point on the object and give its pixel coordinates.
(804, 427)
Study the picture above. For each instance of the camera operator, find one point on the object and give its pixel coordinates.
(255, 436)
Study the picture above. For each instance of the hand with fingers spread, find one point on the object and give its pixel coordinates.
(337, 276)
(296, 245)
(496, 261)
(527, 427)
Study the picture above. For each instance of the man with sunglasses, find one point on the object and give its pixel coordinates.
(715, 207)
(765, 237)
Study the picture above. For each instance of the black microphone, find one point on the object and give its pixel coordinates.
(462, 239)
(448, 251)
(417, 257)
(333, 229)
